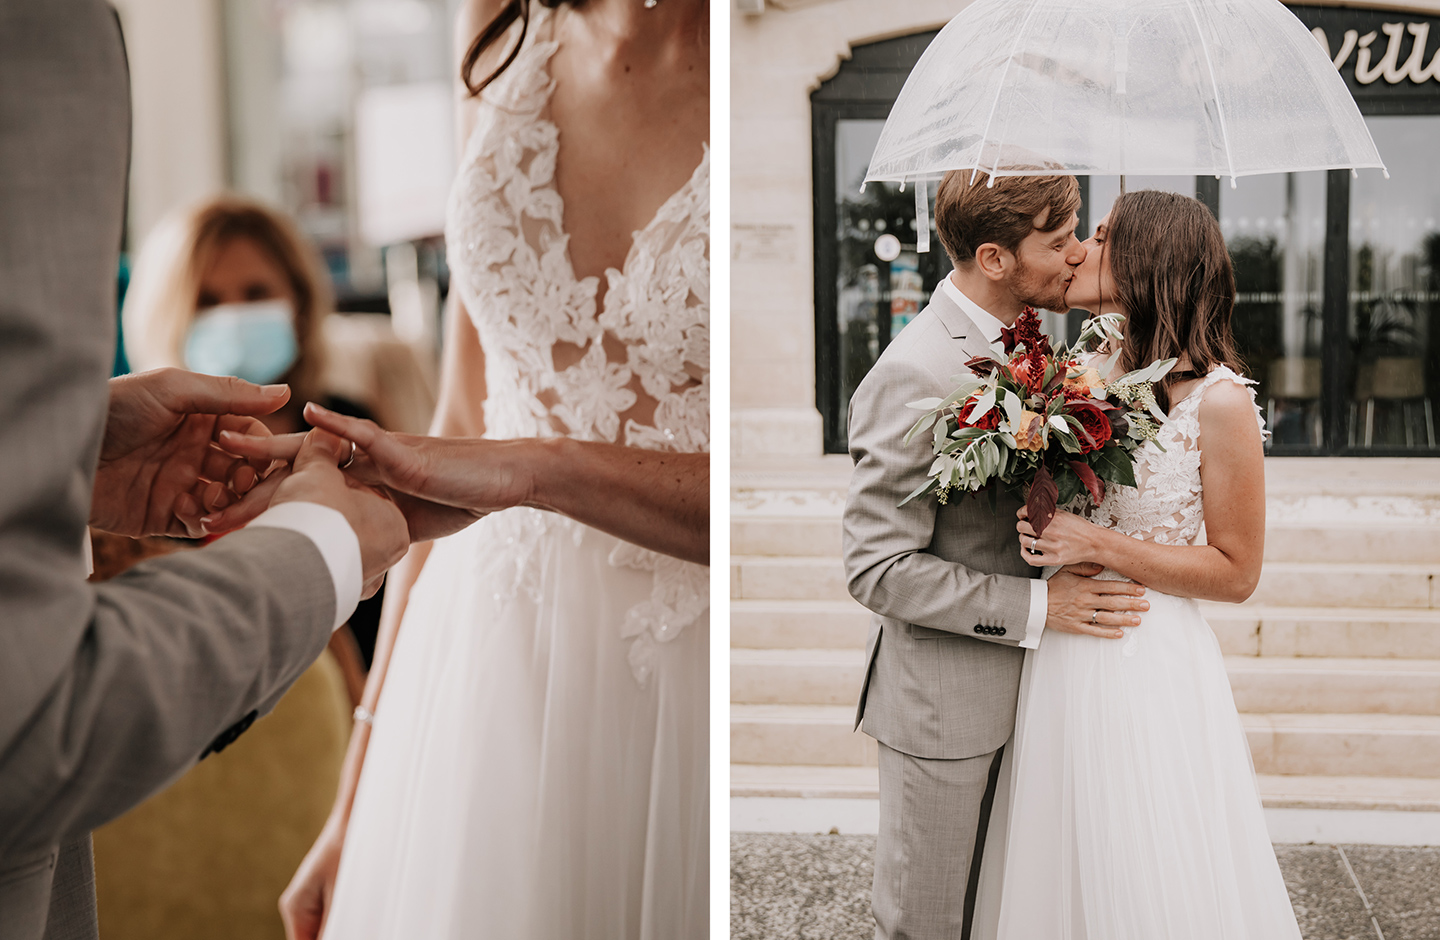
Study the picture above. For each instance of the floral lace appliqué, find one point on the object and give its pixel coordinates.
(1167, 504)
(509, 253)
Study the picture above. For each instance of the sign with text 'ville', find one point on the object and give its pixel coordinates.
(1390, 60)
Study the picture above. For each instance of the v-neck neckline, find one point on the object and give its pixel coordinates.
(636, 236)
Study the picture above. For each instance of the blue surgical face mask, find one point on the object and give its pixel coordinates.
(254, 341)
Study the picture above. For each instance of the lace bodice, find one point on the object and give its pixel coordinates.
(634, 369)
(509, 253)
(1166, 505)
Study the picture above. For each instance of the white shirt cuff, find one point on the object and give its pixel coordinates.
(331, 533)
(1039, 607)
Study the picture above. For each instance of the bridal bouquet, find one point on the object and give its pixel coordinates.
(1040, 423)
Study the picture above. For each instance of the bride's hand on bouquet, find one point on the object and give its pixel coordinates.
(1068, 540)
(305, 903)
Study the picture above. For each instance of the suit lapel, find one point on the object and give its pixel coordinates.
(959, 325)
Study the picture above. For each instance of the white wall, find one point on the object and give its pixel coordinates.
(177, 93)
(777, 59)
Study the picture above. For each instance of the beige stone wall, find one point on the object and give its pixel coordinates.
(177, 94)
(778, 58)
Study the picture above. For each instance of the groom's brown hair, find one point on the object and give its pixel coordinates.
(970, 214)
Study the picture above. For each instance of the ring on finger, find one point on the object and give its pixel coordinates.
(351, 459)
(1093, 617)
(1032, 547)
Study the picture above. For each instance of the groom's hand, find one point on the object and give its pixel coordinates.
(378, 523)
(159, 468)
(1077, 603)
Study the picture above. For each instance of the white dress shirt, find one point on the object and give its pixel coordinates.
(337, 542)
(1039, 590)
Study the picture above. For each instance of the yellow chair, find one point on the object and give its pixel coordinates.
(208, 857)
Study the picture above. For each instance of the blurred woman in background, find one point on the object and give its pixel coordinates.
(230, 287)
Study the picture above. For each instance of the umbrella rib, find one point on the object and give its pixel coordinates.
(1215, 89)
(990, 119)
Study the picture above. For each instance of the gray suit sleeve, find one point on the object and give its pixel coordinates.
(171, 654)
(888, 565)
(106, 693)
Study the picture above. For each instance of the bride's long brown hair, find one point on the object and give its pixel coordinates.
(1174, 281)
(495, 31)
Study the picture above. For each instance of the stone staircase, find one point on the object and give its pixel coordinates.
(1335, 661)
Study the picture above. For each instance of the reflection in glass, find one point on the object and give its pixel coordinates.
(1393, 310)
(882, 281)
(1274, 226)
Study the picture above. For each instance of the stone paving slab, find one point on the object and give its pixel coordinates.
(804, 887)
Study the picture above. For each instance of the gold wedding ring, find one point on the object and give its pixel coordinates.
(351, 459)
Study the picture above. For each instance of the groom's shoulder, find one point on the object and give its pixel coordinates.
(924, 346)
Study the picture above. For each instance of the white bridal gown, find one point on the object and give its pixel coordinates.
(1127, 808)
(538, 764)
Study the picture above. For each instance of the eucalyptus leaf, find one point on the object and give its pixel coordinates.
(919, 490)
(920, 426)
(1114, 465)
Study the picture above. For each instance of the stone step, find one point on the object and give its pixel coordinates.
(1416, 794)
(1398, 542)
(1310, 584)
(787, 578)
(1257, 630)
(1282, 583)
(1326, 745)
(1276, 684)
(785, 535)
(1260, 684)
(1345, 745)
(1243, 630)
(798, 734)
(799, 624)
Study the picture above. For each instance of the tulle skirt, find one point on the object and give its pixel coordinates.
(1127, 807)
(526, 778)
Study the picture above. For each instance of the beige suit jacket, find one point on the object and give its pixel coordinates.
(948, 589)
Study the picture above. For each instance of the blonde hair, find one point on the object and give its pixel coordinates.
(165, 283)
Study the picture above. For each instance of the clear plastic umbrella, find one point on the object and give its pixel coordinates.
(1113, 87)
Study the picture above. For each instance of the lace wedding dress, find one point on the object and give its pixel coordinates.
(538, 767)
(1127, 807)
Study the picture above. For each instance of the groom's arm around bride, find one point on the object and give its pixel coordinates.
(109, 692)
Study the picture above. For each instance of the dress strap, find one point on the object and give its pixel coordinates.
(1218, 374)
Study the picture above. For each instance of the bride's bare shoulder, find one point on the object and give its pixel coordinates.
(1228, 407)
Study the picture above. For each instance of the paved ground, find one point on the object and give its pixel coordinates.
(796, 887)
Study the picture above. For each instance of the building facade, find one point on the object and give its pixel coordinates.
(1338, 276)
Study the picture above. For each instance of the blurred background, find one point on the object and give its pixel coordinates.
(291, 161)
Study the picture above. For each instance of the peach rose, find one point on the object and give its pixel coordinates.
(1027, 437)
(1086, 379)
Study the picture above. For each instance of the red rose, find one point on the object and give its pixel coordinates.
(989, 421)
(1094, 422)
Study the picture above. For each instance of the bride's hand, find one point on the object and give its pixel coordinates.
(306, 901)
(470, 473)
(440, 484)
(1068, 540)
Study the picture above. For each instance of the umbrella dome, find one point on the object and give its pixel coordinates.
(1111, 87)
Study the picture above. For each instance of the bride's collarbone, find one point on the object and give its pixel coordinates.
(622, 154)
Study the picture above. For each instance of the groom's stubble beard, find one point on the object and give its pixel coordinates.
(1036, 290)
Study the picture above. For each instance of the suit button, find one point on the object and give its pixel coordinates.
(979, 628)
(230, 735)
(999, 631)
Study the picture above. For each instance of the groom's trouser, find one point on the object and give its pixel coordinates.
(932, 814)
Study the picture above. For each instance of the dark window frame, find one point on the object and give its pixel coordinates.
(865, 87)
